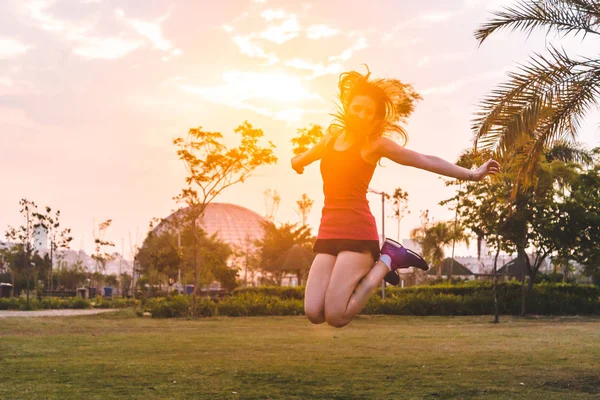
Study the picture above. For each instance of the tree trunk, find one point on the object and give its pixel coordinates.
(51, 286)
(522, 257)
(566, 271)
(195, 292)
(496, 308)
(523, 298)
(28, 291)
(531, 281)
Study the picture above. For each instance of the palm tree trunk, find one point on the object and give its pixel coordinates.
(496, 308)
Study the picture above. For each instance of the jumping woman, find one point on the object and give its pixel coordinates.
(349, 264)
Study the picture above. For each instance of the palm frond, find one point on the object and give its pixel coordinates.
(527, 89)
(560, 16)
(590, 6)
(578, 97)
(569, 151)
(548, 107)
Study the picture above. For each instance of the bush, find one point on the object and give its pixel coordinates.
(101, 302)
(256, 304)
(79, 303)
(232, 307)
(205, 307)
(53, 303)
(11, 303)
(288, 307)
(168, 307)
(466, 298)
(283, 292)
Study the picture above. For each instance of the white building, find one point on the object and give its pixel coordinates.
(40, 239)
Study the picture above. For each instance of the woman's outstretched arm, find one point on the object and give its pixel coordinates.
(389, 149)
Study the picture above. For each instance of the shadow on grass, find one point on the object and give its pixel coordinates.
(589, 384)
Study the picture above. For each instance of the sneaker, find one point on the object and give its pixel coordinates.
(392, 278)
(401, 258)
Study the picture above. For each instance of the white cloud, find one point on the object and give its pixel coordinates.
(439, 16)
(271, 14)
(442, 58)
(444, 89)
(10, 48)
(240, 88)
(37, 10)
(361, 43)
(420, 22)
(320, 31)
(281, 33)
(106, 48)
(249, 47)
(296, 114)
(85, 45)
(9, 87)
(243, 86)
(153, 32)
(459, 83)
(423, 61)
(16, 117)
(317, 69)
(227, 28)
(489, 4)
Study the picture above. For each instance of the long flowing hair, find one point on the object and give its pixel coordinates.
(394, 102)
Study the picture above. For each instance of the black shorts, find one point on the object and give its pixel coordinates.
(335, 246)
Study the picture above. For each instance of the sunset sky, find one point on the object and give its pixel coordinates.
(92, 92)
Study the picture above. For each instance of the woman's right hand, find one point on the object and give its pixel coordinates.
(296, 166)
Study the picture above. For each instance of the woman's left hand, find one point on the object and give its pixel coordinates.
(491, 167)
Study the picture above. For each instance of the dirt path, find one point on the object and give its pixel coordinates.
(53, 313)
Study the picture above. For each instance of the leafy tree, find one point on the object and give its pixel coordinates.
(433, 237)
(276, 242)
(213, 167)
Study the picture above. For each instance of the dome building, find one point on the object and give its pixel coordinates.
(235, 225)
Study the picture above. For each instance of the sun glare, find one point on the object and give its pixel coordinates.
(276, 87)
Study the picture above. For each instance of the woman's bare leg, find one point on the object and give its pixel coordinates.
(353, 280)
(316, 286)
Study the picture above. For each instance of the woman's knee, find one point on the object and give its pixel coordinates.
(336, 317)
(337, 321)
(314, 314)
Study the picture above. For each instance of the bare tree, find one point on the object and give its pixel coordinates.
(304, 206)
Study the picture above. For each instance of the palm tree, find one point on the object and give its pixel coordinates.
(434, 237)
(544, 101)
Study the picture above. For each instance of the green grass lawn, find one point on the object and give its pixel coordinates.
(121, 356)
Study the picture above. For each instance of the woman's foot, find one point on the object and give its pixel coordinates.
(398, 256)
